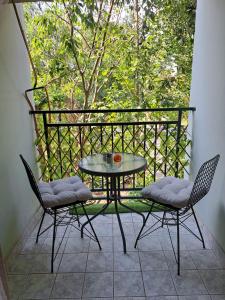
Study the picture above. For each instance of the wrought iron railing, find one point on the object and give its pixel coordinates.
(159, 135)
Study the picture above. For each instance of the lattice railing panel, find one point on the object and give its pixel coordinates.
(62, 143)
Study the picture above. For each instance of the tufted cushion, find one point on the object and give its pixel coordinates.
(169, 190)
(64, 191)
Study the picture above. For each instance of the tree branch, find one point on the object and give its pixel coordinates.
(102, 48)
(96, 28)
(75, 55)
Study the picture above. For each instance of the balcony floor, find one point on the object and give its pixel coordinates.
(150, 272)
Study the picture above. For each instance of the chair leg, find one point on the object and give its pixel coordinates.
(89, 221)
(146, 219)
(178, 244)
(78, 220)
(92, 218)
(53, 241)
(39, 229)
(164, 214)
(199, 229)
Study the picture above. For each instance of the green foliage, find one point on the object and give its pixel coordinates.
(109, 54)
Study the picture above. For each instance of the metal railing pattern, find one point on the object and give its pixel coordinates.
(159, 135)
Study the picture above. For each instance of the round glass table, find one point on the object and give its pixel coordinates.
(113, 166)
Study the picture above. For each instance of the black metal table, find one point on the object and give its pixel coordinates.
(104, 165)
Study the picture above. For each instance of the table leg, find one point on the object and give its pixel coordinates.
(116, 199)
(108, 187)
(133, 210)
(92, 218)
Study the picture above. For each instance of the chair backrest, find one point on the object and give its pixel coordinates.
(32, 181)
(203, 180)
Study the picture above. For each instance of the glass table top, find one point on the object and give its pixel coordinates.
(104, 164)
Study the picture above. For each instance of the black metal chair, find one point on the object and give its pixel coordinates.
(176, 198)
(57, 198)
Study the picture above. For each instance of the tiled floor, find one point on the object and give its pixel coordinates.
(149, 272)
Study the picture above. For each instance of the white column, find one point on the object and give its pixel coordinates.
(17, 202)
(208, 96)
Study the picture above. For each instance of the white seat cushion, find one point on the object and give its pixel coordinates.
(64, 191)
(169, 190)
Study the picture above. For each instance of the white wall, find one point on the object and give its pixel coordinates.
(17, 203)
(208, 96)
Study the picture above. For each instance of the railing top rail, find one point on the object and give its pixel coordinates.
(79, 111)
(112, 123)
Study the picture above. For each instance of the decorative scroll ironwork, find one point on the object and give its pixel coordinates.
(159, 135)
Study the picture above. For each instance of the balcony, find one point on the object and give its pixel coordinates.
(82, 271)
